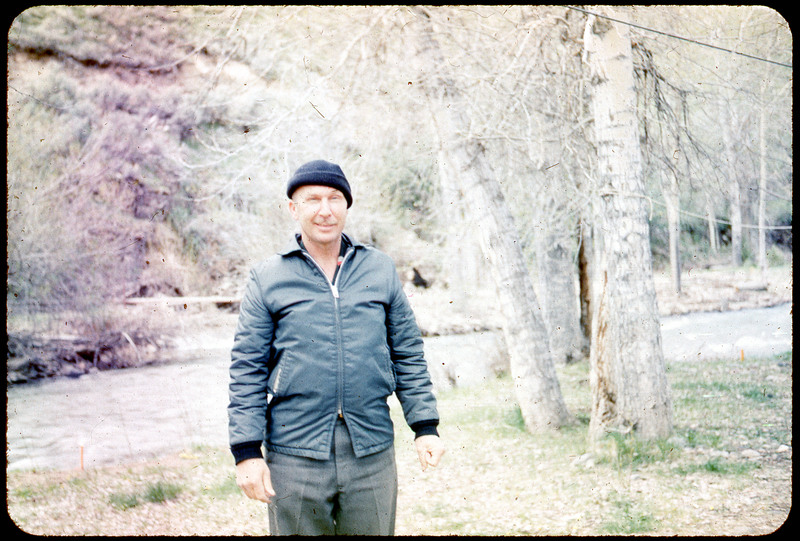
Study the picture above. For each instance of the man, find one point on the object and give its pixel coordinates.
(325, 336)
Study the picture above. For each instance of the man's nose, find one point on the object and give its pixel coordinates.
(325, 206)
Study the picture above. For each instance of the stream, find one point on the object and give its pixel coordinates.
(120, 416)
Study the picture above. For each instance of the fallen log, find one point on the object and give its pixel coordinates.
(219, 300)
(31, 357)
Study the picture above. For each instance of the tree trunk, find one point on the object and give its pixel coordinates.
(462, 262)
(463, 157)
(628, 374)
(585, 256)
(713, 235)
(556, 267)
(737, 240)
(557, 274)
(733, 187)
(672, 201)
(762, 188)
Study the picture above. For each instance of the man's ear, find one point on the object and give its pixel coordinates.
(292, 209)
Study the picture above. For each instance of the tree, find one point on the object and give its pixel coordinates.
(666, 155)
(465, 163)
(628, 375)
(750, 73)
(558, 285)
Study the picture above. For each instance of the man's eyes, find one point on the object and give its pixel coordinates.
(316, 200)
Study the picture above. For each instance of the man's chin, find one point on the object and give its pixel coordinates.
(325, 237)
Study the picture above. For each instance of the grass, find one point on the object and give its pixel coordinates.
(157, 492)
(627, 517)
(726, 470)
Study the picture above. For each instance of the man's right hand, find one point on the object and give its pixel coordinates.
(252, 476)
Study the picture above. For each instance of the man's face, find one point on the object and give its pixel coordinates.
(321, 212)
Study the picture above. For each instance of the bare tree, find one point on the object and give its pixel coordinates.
(628, 375)
(466, 165)
(734, 188)
(762, 186)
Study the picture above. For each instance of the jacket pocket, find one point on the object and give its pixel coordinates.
(388, 369)
(278, 379)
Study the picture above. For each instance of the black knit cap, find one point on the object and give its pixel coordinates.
(320, 173)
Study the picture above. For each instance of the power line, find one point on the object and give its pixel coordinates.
(674, 36)
(721, 220)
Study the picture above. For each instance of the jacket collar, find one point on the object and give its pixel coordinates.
(294, 246)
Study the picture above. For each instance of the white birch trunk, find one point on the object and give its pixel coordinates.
(734, 189)
(628, 374)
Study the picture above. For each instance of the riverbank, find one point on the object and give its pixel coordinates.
(156, 332)
(718, 289)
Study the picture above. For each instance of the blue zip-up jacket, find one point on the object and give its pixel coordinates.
(307, 351)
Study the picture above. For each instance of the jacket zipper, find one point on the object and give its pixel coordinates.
(334, 286)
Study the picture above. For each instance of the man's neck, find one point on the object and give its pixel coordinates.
(326, 255)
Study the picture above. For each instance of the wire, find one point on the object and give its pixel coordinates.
(674, 36)
(723, 221)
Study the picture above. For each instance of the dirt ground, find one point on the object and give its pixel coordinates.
(722, 289)
(716, 289)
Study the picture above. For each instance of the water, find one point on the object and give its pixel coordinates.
(756, 332)
(121, 416)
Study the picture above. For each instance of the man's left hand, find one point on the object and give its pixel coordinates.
(430, 450)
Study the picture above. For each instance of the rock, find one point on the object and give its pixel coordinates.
(586, 460)
(71, 371)
(751, 454)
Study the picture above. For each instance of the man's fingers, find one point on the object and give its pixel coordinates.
(435, 456)
(431, 457)
(269, 492)
(254, 479)
(430, 450)
(258, 492)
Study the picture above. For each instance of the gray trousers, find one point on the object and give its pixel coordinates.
(345, 495)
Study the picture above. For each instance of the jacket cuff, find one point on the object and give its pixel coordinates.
(246, 450)
(425, 428)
